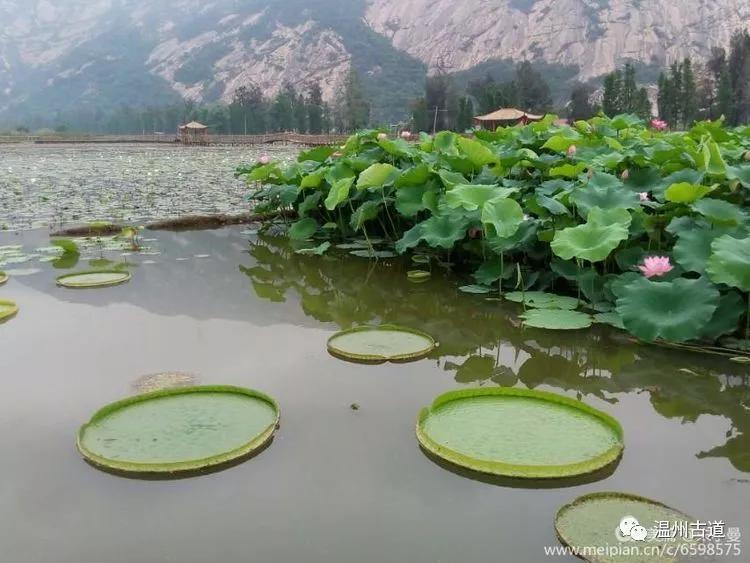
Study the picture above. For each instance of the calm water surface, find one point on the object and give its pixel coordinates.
(336, 485)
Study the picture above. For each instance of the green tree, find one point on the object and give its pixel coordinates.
(580, 105)
(315, 108)
(354, 108)
(532, 90)
(465, 114)
(689, 101)
(612, 98)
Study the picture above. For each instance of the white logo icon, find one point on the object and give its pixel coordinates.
(630, 530)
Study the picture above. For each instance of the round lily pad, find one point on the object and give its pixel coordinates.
(542, 300)
(377, 344)
(165, 380)
(7, 309)
(556, 319)
(519, 433)
(181, 430)
(603, 519)
(99, 278)
(3, 278)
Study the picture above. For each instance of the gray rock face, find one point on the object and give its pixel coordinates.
(58, 54)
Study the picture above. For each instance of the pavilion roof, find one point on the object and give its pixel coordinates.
(508, 114)
(194, 125)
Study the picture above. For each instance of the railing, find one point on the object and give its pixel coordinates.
(290, 138)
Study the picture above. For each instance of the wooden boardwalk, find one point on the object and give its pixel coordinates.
(218, 140)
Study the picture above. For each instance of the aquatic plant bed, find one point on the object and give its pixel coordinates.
(648, 228)
(83, 280)
(611, 519)
(7, 309)
(519, 433)
(179, 430)
(378, 344)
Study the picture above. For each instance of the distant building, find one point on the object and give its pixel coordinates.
(194, 133)
(504, 117)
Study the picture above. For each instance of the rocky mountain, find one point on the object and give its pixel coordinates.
(58, 56)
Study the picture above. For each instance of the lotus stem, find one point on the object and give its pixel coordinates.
(388, 213)
(747, 319)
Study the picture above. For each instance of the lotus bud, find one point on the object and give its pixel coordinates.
(382, 136)
(625, 175)
(405, 135)
(747, 155)
(572, 150)
(264, 159)
(734, 185)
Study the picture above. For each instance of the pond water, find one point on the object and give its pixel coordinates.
(336, 485)
(50, 185)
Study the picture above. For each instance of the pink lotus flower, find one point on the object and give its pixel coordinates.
(405, 134)
(572, 150)
(655, 266)
(659, 124)
(382, 136)
(625, 174)
(264, 159)
(643, 196)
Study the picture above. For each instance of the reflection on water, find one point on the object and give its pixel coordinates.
(483, 342)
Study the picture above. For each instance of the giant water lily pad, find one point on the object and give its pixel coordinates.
(594, 521)
(3, 278)
(7, 309)
(93, 279)
(377, 344)
(181, 430)
(519, 433)
(556, 319)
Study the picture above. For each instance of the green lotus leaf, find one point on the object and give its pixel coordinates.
(414, 176)
(313, 179)
(726, 317)
(611, 318)
(397, 147)
(443, 231)
(339, 192)
(476, 152)
(368, 211)
(445, 141)
(739, 173)
(68, 246)
(713, 162)
(568, 170)
(473, 196)
(605, 197)
(377, 175)
(607, 217)
(491, 271)
(556, 319)
(451, 179)
(410, 200)
(590, 242)
(720, 212)
(730, 262)
(504, 215)
(552, 205)
(317, 154)
(675, 311)
(693, 248)
(303, 229)
(559, 143)
(685, 192)
(542, 300)
(310, 203)
(411, 238)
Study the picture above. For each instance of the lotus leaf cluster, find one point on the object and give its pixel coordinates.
(646, 229)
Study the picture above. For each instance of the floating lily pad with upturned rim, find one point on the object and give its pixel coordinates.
(180, 430)
(99, 278)
(7, 309)
(3, 277)
(378, 344)
(593, 520)
(520, 433)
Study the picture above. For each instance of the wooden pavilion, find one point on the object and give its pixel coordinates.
(194, 133)
(504, 117)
